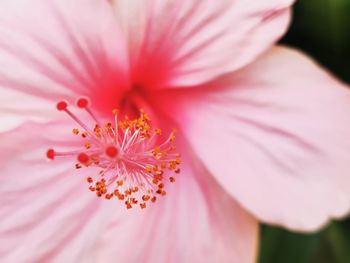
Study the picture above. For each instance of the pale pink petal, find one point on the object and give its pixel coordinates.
(57, 49)
(15, 106)
(276, 135)
(196, 222)
(188, 42)
(48, 214)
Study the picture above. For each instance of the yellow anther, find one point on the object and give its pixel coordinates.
(87, 145)
(172, 166)
(158, 131)
(108, 126)
(148, 169)
(146, 198)
(164, 153)
(156, 151)
(75, 131)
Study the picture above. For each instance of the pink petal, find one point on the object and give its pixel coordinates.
(15, 106)
(196, 222)
(189, 42)
(50, 50)
(276, 135)
(48, 215)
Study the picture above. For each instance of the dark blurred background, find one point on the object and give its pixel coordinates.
(321, 28)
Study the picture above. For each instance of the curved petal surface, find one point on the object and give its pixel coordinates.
(189, 42)
(196, 222)
(50, 50)
(48, 214)
(276, 135)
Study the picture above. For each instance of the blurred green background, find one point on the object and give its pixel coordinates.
(321, 28)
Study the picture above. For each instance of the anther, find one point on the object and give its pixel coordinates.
(75, 131)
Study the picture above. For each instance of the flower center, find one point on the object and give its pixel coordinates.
(133, 166)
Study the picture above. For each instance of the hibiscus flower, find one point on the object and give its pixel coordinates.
(263, 131)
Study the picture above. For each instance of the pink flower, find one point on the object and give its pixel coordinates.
(263, 132)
